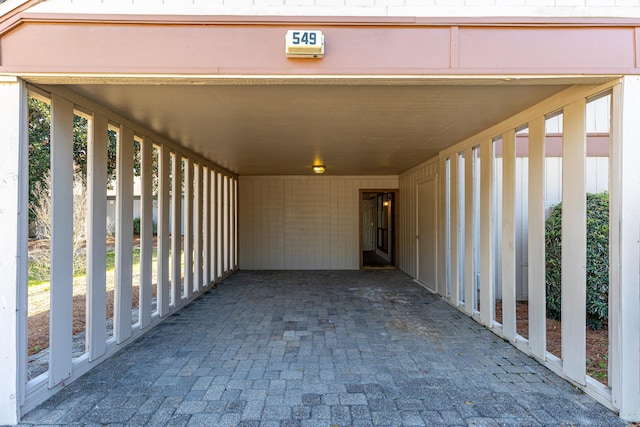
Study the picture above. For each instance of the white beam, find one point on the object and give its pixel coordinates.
(146, 232)
(13, 234)
(61, 309)
(206, 206)
(487, 291)
(197, 232)
(227, 249)
(574, 241)
(453, 230)
(188, 229)
(124, 236)
(508, 257)
(98, 138)
(624, 247)
(163, 232)
(215, 215)
(537, 262)
(469, 279)
(176, 231)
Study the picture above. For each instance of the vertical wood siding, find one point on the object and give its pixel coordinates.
(302, 222)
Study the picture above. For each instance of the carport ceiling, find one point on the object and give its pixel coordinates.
(355, 128)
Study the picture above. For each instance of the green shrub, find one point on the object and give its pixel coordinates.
(597, 260)
(136, 227)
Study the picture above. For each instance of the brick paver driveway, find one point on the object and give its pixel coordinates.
(349, 348)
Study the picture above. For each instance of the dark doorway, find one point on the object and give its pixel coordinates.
(378, 215)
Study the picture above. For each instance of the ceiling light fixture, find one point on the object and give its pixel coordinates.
(319, 169)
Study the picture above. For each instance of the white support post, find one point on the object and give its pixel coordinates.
(220, 233)
(232, 224)
(206, 255)
(227, 249)
(574, 242)
(469, 279)
(453, 229)
(124, 236)
(508, 257)
(215, 251)
(14, 179)
(163, 232)
(624, 247)
(146, 232)
(176, 231)
(197, 229)
(96, 312)
(188, 229)
(60, 321)
(537, 262)
(487, 291)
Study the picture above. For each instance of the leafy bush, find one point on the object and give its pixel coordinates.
(597, 260)
(136, 227)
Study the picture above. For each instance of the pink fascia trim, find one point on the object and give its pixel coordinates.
(411, 46)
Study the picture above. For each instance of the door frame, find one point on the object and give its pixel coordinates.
(395, 214)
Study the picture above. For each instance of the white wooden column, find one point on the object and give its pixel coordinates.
(624, 250)
(163, 232)
(206, 253)
(197, 229)
(124, 236)
(188, 229)
(176, 231)
(487, 291)
(215, 271)
(96, 312)
(60, 321)
(453, 229)
(468, 233)
(574, 242)
(233, 224)
(508, 257)
(14, 215)
(146, 232)
(537, 262)
(227, 249)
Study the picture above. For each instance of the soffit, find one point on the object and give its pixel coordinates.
(355, 129)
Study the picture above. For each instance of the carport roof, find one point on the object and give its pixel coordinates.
(386, 97)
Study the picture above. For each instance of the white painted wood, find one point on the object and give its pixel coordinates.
(574, 242)
(13, 257)
(188, 229)
(227, 224)
(220, 225)
(469, 273)
(197, 230)
(454, 230)
(625, 250)
(427, 223)
(206, 206)
(508, 227)
(146, 232)
(536, 230)
(214, 227)
(487, 300)
(176, 231)
(124, 236)
(234, 251)
(302, 222)
(61, 240)
(164, 298)
(97, 140)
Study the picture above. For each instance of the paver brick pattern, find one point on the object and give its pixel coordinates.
(320, 348)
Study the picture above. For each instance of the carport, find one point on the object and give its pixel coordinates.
(413, 105)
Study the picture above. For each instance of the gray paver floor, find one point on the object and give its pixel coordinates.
(361, 348)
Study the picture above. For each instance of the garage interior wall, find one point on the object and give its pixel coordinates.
(302, 222)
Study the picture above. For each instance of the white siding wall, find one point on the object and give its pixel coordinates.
(408, 213)
(377, 8)
(302, 222)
